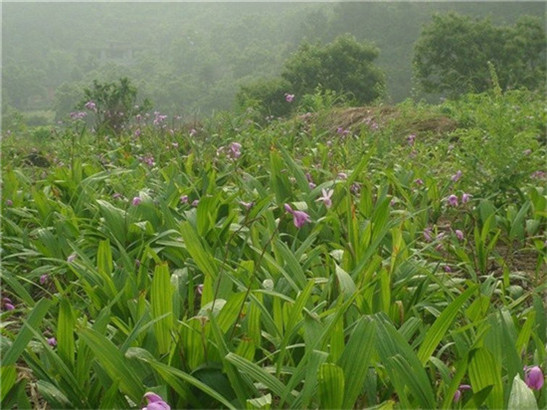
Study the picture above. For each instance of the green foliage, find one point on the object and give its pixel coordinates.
(115, 104)
(451, 56)
(344, 66)
(170, 263)
(265, 98)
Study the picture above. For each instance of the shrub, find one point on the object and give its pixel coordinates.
(266, 97)
(344, 66)
(114, 104)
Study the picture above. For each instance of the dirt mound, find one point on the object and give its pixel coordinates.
(400, 121)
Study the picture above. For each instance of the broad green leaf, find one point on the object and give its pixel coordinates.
(259, 374)
(24, 336)
(347, 285)
(263, 402)
(436, 332)
(331, 386)
(194, 246)
(521, 396)
(8, 376)
(356, 358)
(161, 367)
(161, 301)
(53, 396)
(114, 363)
(65, 332)
(484, 372)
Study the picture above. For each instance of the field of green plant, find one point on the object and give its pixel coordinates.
(382, 256)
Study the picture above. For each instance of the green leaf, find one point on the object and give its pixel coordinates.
(259, 374)
(8, 376)
(263, 402)
(65, 332)
(347, 285)
(165, 369)
(356, 358)
(53, 396)
(161, 301)
(114, 363)
(436, 332)
(484, 372)
(194, 246)
(521, 396)
(331, 386)
(25, 334)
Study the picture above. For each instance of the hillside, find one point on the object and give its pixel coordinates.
(388, 256)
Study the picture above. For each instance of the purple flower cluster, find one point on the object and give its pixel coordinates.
(461, 388)
(289, 97)
(148, 160)
(411, 139)
(452, 200)
(91, 106)
(7, 304)
(78, 115)
(159, 118)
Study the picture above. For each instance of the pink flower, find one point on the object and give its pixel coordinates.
(7, 304)
(458, 393)
(456, 177)
(234, 150)
(466, 198)
(326, 197)
(184, 199)
(195, 202)
(410, 139)
(534, 378)
(9, 202)
(246, 205)
(71, 258)
(419, 181)
(90, 105)
(452, 200)
(136, 201)
(155, 402)
(447, 269)
(342, 175)
(459, 234)
(52, 341)
(427, 234)
(289, 97)
(300, 218)
(44, 278)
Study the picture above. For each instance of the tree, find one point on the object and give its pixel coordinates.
(344, 66)
(452, 54)
(114, 104)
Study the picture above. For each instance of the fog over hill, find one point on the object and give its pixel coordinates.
(191, 58)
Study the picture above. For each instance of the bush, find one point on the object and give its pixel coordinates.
(114, 104)
(452, 54)
(344, 66)
(265, 97)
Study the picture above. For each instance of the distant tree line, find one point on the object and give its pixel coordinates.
(193, 59)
